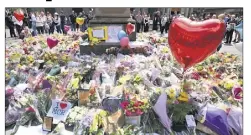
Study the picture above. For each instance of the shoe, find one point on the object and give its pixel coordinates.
(226, 42)
(234, 40)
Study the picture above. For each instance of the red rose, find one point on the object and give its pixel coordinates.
(124, 104)
(128, 113)
(139, 112)
(136, 104)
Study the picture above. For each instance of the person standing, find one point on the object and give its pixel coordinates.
(72, 19)
(62, 23)
(146, 23)
(168, 22)
(26, 19)
(56, 21)
(50, 23)
(237, 34)
(33, 25)
(44, 20)
(142, 22)
(230, 29)
(138, 21)
(18, 24)
(39, 24)
(156, 20)
(163, 23)
(10, 25)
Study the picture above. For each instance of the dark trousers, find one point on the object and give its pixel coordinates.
(162, 28)
(229, 35)
(142, 26)
(40, 30)
(12, 32)
(51, 30)
(155, 26)
(62, 28)
(58, 29)
(19, 29)
(73, 27)
(138, 27)
(166, 27)
(146, 28)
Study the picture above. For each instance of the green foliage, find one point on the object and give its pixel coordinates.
(179, 111)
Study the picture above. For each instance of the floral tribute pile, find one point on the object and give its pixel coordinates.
(132, 94)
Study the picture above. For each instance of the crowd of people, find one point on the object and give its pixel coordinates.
(35, 23)
(161, 22)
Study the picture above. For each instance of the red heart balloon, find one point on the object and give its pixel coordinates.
(52, 42)
(66, 28)
(19, 15)
(191, 42)
(63, 105)
(130, 28)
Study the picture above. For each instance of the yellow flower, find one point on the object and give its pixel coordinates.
(171, 95)
(165, 50)
(124, 79)
(182, 99)
(171, 90)
(145, 101)
(228, 85)
(184, 94)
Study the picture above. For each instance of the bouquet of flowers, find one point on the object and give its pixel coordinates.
(76, 114)
(134, 107)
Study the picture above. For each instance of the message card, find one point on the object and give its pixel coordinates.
(59, 111)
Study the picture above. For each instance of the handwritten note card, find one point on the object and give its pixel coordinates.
(98, 33)
(113, 31)
(190, 121)
(59, 111)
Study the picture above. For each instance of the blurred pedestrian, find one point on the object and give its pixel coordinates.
(33, 25)
(56, 21)
(163, 23)
(39, 24)
(156, 20)
(230, 29)
(72, 19)
(50, 23)
(44, 20)
(63, 21)
(10, 24)
(146, 23)
(138, 21)
(18, 24)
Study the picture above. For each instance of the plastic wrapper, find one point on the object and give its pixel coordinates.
(235, 120)
(215, 119)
